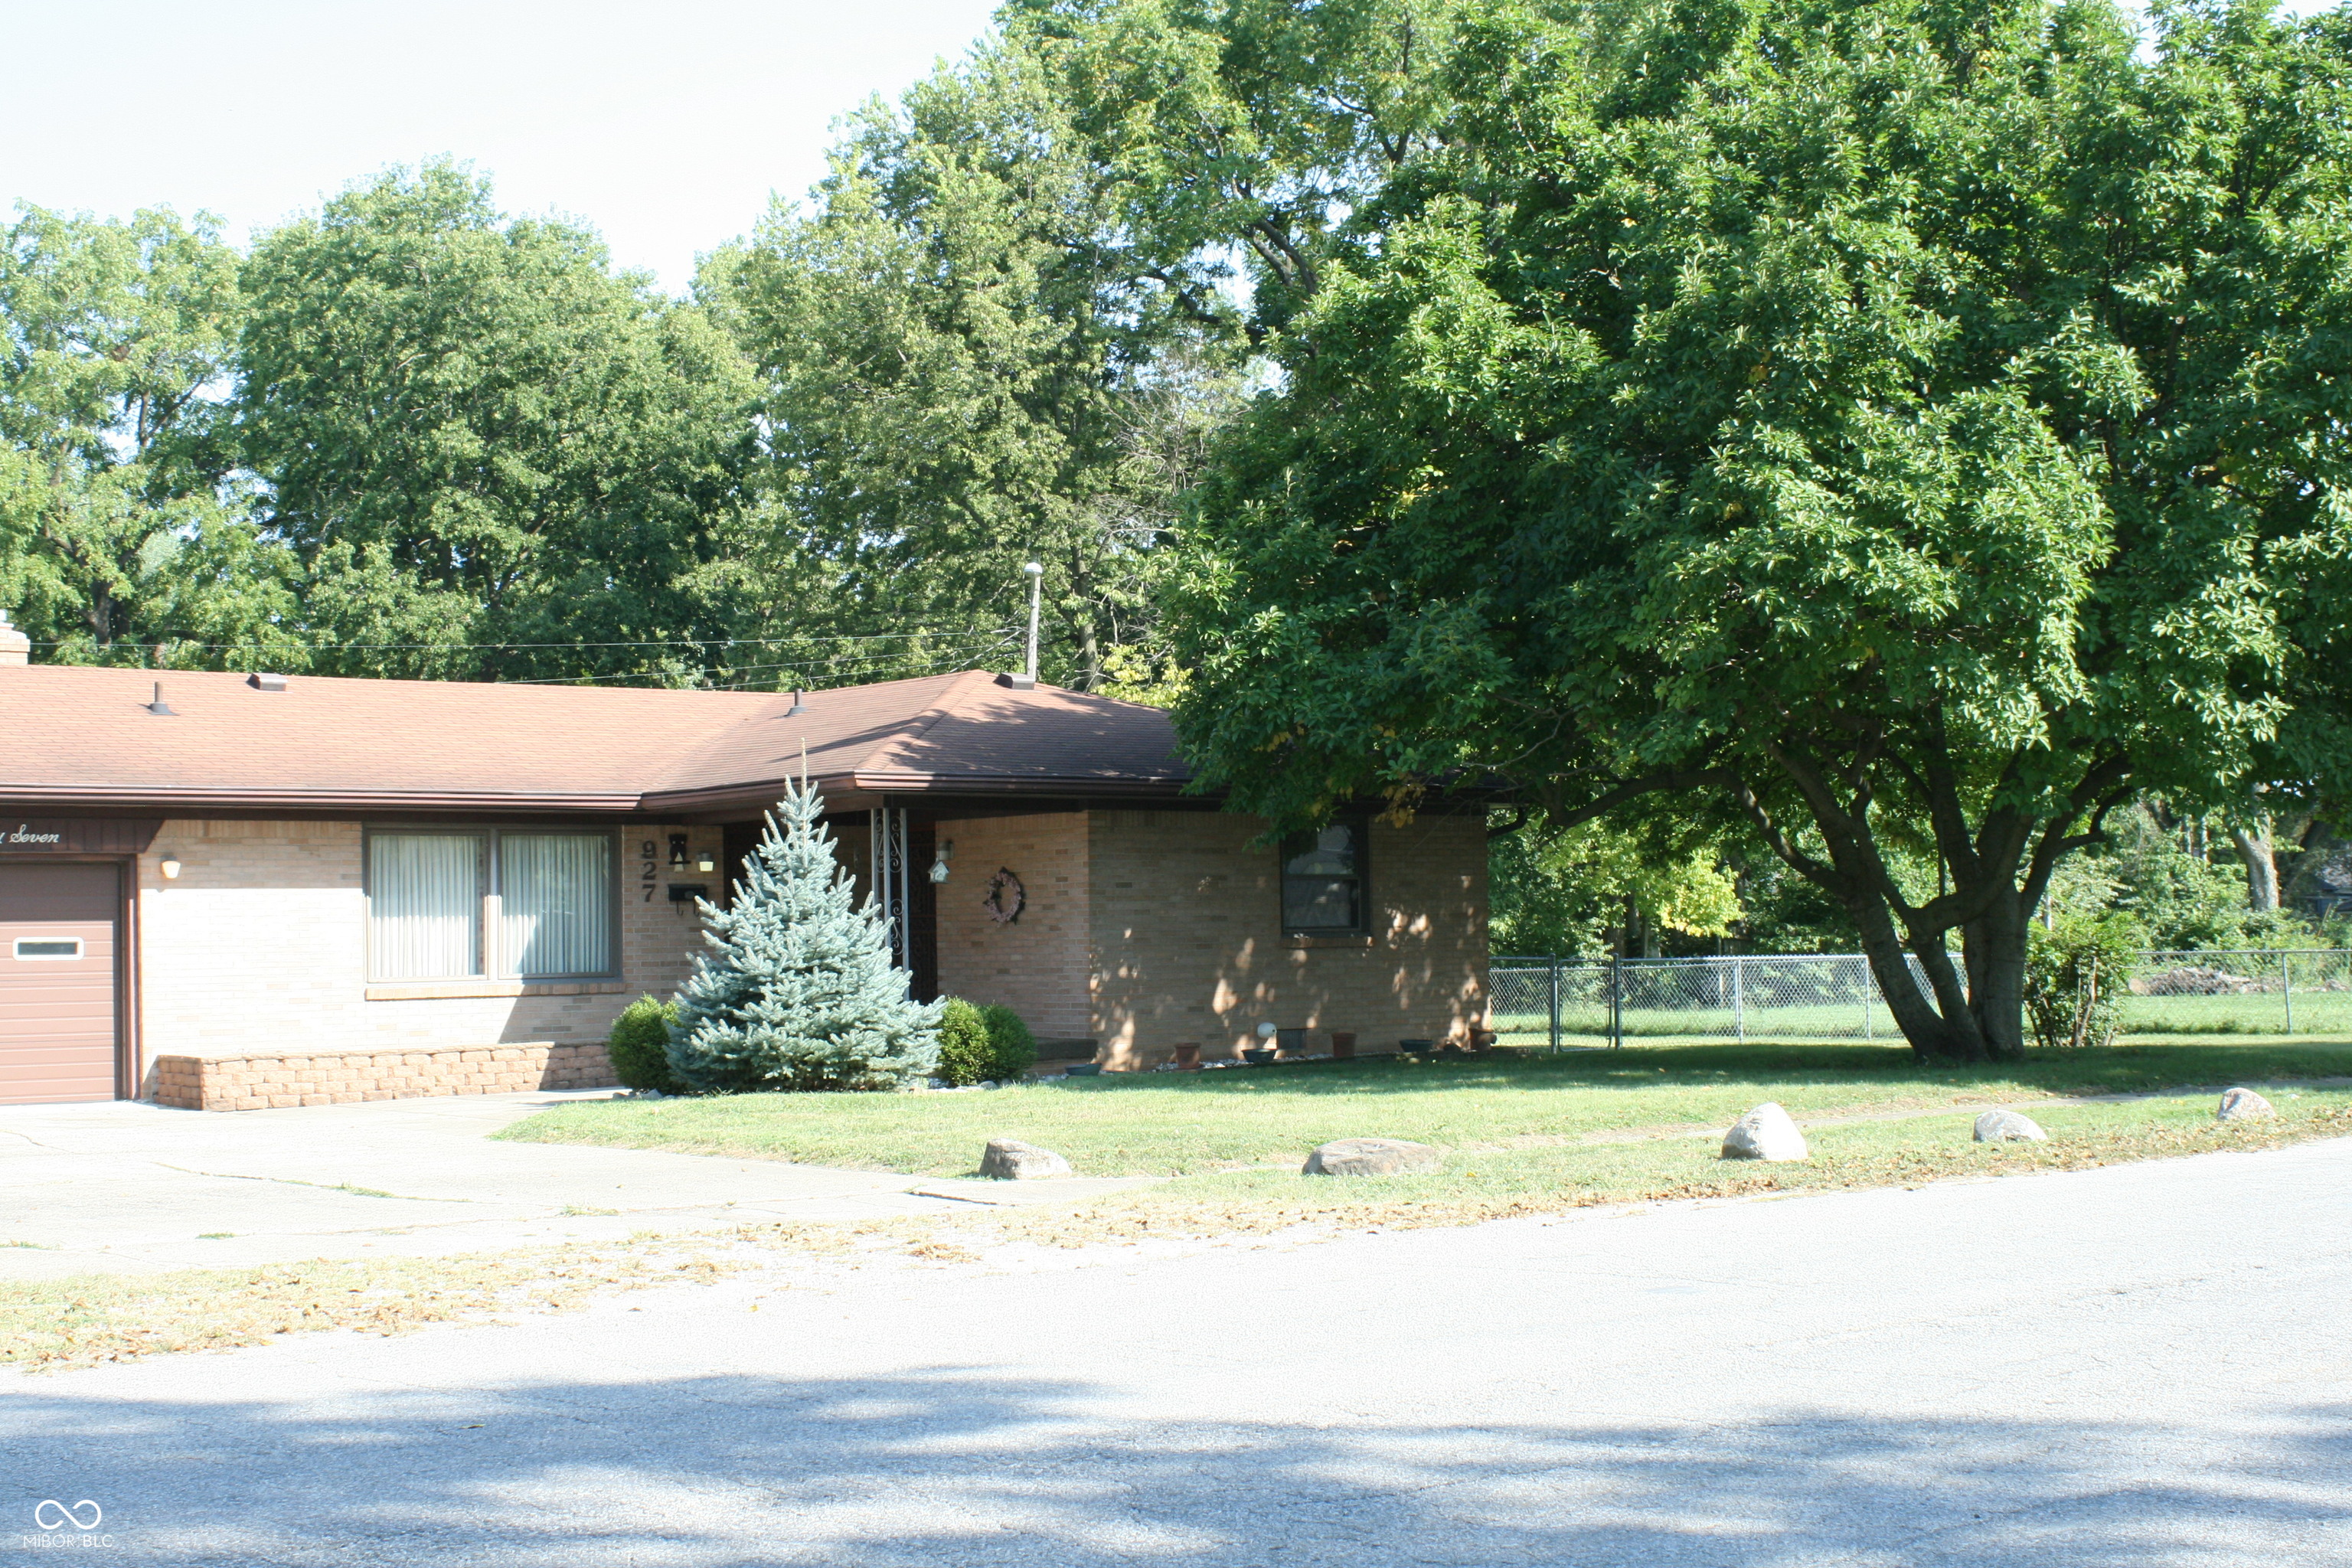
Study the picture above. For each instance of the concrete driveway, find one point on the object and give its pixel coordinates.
(2140, 1365)
(129, 1188)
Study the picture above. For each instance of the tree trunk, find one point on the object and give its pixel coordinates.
(1938, 1035)
(1994, 949)
(2262, 864)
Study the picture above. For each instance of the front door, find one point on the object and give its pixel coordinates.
(57, 938)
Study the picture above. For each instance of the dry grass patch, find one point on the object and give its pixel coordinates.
(77, 1321)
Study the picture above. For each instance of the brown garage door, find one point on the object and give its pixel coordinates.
(57, 983)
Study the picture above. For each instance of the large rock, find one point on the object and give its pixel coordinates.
(1764, 1133)
(1010, 1159)
(2008, 1127)
(2244, 1105)
(1371, 1157)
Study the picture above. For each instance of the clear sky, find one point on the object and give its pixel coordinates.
(664, 126)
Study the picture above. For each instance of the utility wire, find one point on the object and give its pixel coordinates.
(467, 646)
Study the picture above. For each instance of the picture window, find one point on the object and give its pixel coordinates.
(491, 902)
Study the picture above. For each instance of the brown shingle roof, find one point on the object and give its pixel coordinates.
(80, 736)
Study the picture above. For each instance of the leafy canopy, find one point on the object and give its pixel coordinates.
(1901, 422)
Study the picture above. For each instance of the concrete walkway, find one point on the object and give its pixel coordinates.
(129, 1188)
(2143, 1366)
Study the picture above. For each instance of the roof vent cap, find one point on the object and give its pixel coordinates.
(261, 680)
(158, 705)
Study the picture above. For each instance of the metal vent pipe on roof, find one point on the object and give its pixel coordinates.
(158, 705)
(798, 706)
(1036, 575)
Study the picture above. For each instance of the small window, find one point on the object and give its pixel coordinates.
(48, 947)
(1323, 880)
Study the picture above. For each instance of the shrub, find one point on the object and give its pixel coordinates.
(1013, 1049)
(639, 1045)
(2074, 976)
(965, 1055)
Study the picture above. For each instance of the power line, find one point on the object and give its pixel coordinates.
(965, 660)
(473, 646)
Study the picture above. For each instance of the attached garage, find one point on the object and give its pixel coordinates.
(61, 945)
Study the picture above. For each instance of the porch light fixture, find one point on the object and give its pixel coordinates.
(677, 851)
(940, 860)
(170, 866)
(706, 863)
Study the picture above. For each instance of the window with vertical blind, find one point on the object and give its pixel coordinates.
(455, 904)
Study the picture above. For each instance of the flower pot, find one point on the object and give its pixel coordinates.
(1258, 1056)
(1188, 1057)
(1343, 1043)
(1083, 1070)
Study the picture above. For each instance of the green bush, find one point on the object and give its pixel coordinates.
(978, 1044)
(965, 1055)
(2075, 976)
(639, 1045)
(1013, 1049)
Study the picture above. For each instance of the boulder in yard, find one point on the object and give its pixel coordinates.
(1764, 1133)
(2008, 1127)
(1371, 1157)
(1010, 1159)
(2243, 1104)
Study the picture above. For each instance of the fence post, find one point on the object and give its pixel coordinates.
(1555, 1004)
(1739, 997)
(1616, 1000)
(2287, 987)
(1869, 988)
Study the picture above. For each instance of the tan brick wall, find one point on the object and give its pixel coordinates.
(1188, 946)
(1039, 965)
(342, 1078)
(259, 947)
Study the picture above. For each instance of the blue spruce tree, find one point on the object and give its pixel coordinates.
(799, 991)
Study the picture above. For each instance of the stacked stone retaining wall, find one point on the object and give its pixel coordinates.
(343, 1077)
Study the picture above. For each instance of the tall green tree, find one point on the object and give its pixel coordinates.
(122, 537)
(962, 374)
(1888, 419)
(484, 438)
(1236, 138)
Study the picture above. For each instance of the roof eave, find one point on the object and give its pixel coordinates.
(202, 798)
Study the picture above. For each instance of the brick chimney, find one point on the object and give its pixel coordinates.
(16, 647)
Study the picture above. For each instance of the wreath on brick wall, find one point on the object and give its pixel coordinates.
(1005, 897)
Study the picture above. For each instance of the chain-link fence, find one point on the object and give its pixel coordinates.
(1573, 1003)
(2240, 992)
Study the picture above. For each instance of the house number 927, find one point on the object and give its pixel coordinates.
(650, 870)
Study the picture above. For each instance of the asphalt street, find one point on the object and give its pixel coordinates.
(2147, 1364)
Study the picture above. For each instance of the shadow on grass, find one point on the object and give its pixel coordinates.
(966, 1466)
(2116, 1069)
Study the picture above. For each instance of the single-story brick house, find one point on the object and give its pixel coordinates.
(231, 890)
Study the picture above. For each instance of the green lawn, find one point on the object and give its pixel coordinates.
(1505, 1113)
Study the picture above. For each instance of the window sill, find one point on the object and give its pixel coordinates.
(439, 990)
(1358, 940)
